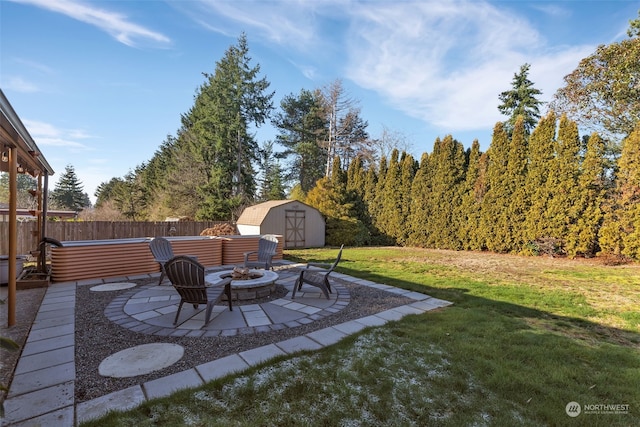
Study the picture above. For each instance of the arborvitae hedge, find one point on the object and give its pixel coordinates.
(543, 193)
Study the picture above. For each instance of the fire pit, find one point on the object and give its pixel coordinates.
(246, 284)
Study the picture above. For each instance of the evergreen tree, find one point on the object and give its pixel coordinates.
(184, 178)
(155, 176)
(302, 129)
(620, 233)
(231, 99)
(408, 167)
(420, 211)
(24, 183)
(130, 197)
(390, 220)
(498, 196)
(562, 184)
(477, 237)
(521, 100)
(272, 183)
(368, 198)
(356, 194)
(297, 193)
(519, 204)
(582, 238)
(376, 205)
(542, 150)
(68, 192)
(105, 191)
(469, 210)
(331, 198)
(446, 175)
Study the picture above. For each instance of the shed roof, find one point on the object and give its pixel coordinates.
(254, 215)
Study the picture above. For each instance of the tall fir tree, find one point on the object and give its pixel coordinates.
(130, 197)
(68, 192)
(272, 181)
(231, 100)
(521, 100)
(302, 128)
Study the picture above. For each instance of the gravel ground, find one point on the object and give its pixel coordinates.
(27, 303)
(97, 337)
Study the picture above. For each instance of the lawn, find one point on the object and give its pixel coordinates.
(524, 338)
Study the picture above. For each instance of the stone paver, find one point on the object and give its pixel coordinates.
(42, 392)
(121, 400)
(166, 385)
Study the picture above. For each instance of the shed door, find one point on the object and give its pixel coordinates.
(294, 229)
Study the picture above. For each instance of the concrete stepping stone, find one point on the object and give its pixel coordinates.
(112, 287)
(140, 360)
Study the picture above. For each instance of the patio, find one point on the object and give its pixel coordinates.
(51, 373)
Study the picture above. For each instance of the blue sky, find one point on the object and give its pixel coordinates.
(100, 84)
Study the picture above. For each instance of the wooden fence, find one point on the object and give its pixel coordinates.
(98, 230)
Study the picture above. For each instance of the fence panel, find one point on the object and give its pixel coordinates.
(98, 230)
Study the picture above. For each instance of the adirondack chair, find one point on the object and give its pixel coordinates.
(267, 246)
(187, 276)
(162, 252)
(317, 278)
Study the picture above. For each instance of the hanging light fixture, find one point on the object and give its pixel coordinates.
(5, 157)
(20, 169)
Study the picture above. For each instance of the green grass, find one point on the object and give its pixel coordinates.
(524, 337)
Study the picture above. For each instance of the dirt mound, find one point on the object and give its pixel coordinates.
(220, 230)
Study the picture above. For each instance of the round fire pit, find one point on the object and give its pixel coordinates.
(259, 284)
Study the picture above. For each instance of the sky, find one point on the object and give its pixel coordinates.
(100, 85)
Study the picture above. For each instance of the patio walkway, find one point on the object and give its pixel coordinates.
(42, 390)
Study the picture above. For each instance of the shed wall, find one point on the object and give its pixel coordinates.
(274, 222)
(315, 228)
(249, 230)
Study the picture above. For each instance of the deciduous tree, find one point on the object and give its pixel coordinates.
(603, 92)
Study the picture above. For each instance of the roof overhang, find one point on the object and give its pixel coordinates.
(13, 134)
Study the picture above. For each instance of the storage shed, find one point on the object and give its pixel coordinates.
(301, 225)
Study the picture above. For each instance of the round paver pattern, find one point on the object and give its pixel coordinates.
(140, 360)
(151, 309)
(112, 287)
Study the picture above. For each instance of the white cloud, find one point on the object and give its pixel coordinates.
(115, 24)
(46, 134)
(552, 10)
(285, 23)
(446, 62)
(21, 85)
